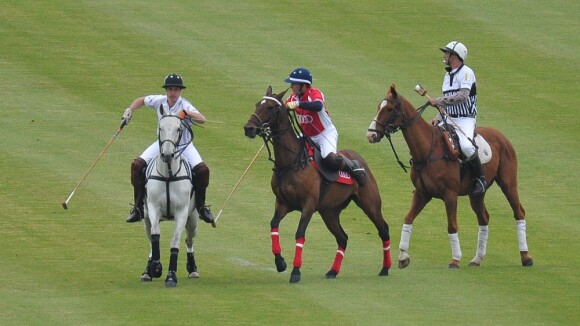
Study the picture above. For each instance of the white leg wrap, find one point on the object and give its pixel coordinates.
(405, 237)
(521, 229)
(482, 241)
(455, 247)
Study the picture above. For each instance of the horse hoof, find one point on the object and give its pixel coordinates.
(528, 263)
(473, 264)
(171, 280)
(295, 276)
(331, 274)
(453, 266)
(146, 278)
(170, 284)
(280, 263)
(193, 275)
(384, 271)
(404, 263)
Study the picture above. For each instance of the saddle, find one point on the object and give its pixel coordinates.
(452, 148)
(330, 175)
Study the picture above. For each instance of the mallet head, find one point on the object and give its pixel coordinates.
(420, 90)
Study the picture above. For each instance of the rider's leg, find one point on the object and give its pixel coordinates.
(339, 162)
(200, 184)
(138, 182)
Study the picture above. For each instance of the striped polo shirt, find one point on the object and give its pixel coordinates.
(461, 78)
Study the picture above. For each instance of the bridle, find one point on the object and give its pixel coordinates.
(178, 149)
(389, 126)
(265, 132)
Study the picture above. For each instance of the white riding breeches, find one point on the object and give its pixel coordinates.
(465, 134)
(190, 154)
(327, 141)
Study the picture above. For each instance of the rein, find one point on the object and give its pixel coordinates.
(389, 129)
(265, 132)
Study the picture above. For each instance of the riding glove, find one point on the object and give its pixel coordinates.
(127, 115)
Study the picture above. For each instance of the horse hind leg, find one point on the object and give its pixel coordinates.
(191, 230)
(371, 206)
(508, 185)
(332, 221)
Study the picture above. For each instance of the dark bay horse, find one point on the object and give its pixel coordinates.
(435, 175)
(297, 185)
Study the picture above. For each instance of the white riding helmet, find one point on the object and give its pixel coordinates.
(456, 48)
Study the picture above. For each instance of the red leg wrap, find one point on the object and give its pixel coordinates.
(276, 249)
(338, 259)
(298, 252)
(387, 254)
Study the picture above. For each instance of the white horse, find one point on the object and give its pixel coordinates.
(169, 196)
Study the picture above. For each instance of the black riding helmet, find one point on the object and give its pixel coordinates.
(173, 80)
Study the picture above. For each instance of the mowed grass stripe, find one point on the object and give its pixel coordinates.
(73, 68)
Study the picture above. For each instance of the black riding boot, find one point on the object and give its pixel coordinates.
(138, 182)
(356, 170)
(200, 184)
(339, 162)
(479, 183)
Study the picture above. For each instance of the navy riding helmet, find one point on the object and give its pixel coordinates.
(299, 76)
(173, 80)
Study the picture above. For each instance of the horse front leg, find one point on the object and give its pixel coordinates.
(279, 214)
(154, 267)
(300, 239)
(452, 230)
(180, 220)
(420, 199)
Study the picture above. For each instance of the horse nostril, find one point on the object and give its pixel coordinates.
(250, 132)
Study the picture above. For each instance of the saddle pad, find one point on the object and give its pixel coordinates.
(328, 174)
(484, 150)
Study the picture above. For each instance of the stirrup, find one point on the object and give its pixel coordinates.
(479, 187)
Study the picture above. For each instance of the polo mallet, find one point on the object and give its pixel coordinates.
(423, 92)
(123, 124)
(238, 183)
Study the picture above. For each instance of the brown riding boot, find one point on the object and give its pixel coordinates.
(339, 162)
(479, 183)
(200, 184)
(138, 182)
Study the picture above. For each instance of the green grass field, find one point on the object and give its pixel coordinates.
(69, 69)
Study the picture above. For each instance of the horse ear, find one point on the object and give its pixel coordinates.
(161, 109)
(269, 91)
(393, 90)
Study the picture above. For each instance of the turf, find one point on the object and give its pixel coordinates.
(69, 70)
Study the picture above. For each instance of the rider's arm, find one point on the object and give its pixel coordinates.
(459, 97)
(311, 106)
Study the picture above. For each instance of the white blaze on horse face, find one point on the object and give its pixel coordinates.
(371, 134)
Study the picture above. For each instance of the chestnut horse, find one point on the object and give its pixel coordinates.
(297, 185)
(435, 175)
